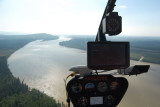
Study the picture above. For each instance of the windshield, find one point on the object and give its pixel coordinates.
(41, 40)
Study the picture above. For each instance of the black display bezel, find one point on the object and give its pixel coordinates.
(107, 67)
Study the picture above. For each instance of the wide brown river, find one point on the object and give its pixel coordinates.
(44, 65)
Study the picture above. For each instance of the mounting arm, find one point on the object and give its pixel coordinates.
(100, 37)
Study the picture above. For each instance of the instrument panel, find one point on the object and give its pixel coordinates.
(97, 90)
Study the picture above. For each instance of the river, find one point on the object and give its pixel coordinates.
(44, 65)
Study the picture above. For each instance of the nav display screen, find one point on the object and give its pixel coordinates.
(107, 55)
(96, 100)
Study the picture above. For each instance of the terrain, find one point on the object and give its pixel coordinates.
(13, 92)
(140, 47)
(11, 43)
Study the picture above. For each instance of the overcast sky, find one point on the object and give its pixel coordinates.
(140, 17)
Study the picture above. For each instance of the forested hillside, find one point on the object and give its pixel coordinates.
(147, 47)
(13, 92)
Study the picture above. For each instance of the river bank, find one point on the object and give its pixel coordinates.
(44, 66)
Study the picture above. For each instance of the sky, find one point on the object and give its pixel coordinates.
(80, 17)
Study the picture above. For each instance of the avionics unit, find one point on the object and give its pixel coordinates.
(108, 55)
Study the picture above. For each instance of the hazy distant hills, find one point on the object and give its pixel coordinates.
(147, 47)
(10, 43)
(38, 36)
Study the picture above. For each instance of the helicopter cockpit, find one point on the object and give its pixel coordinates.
(92, 89)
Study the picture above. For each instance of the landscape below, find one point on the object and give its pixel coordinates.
(13, 92)
(145, 48)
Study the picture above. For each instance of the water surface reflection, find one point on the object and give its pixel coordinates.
(44, 65)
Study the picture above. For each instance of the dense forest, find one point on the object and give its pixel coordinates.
(147, 47)
(13, 92)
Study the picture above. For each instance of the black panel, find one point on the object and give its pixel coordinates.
(95, 93)
(108, 55)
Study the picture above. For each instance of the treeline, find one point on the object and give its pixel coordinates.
(147, 47)
(77, 42)
(11, 43)
(8, 84)
(14, 93)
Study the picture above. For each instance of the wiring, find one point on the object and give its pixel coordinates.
(65, 80)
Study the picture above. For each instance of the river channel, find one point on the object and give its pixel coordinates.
(44, 65)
